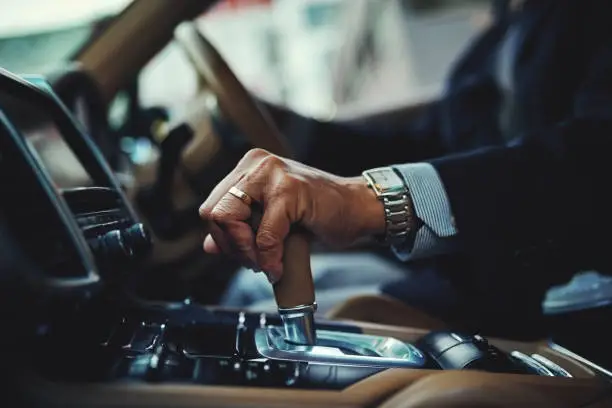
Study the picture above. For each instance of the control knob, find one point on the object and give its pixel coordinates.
(130, 242)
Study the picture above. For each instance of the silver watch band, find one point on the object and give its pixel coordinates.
(397, 218)
(391, 190)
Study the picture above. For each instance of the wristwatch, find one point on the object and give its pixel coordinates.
(393, 192)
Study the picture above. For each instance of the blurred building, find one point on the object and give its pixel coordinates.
(319, 57)
(36, 36)
(398, 52)
(328, 57)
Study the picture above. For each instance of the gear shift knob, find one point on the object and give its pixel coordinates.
(294, 292)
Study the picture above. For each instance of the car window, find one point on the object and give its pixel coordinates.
(320, 57)
(168, 80)
(37, 35)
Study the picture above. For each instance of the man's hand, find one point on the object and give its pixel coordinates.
(335, 209)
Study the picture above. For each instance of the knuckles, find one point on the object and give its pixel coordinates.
(205, 212)
(287, 185)
(268, 164)
(261, 160)
(261, 170)
(255, 154)
(271, 173)
(218, 214)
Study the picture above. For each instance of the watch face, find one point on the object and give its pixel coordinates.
(386, 181)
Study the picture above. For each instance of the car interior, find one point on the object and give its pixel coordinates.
(109, 300)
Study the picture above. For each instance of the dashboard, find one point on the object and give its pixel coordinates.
(62, 205)
(45, 141)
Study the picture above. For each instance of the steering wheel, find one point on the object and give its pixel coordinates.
(253, 119)
(296, 287)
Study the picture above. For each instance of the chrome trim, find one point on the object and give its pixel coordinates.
(298, 309)
(299, 324)
(240, 330)
(551, 365)
(580, 359)
(529, 361)
(350, 349)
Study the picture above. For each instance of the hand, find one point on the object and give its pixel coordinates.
(337, 210)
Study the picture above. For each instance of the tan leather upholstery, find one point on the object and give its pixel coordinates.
(390, 389)
(394, 388)
(384, 310)
(456, 389)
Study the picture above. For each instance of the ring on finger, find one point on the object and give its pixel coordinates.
(241, 195)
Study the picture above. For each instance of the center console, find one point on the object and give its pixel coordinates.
(234, 357)
(191, 344)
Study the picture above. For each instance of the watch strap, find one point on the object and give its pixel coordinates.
(391, 190)
(398, 217)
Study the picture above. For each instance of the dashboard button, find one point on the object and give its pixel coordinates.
(122, 243)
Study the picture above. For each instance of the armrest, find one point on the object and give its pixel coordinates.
(384, 310)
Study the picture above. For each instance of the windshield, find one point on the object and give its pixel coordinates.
(37, 35)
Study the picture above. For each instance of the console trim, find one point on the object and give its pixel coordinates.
(579, 358)
(552, 366)
(532, 363)
(375, 351)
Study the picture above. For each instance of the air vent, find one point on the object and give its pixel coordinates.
(97, 210)
(91, 199)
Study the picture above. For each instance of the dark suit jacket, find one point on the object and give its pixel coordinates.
(532, 212)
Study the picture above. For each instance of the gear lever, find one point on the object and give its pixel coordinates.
(294, 292)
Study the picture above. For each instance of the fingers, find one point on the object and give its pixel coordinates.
(263, 178)
(225, 215)
(210, 246)
(242, 242)
(230, 231)
(219, 239)
(249, 160)
(273, 229)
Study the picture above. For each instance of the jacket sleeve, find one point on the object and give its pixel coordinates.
(539, 208)
(348, 147)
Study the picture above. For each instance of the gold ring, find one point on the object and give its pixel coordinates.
(241, 195)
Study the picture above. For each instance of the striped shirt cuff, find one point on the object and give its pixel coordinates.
(431, 205)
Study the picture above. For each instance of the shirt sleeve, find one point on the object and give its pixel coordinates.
(438, 234)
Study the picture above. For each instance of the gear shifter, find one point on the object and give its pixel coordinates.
(294, 293)
(298, 340)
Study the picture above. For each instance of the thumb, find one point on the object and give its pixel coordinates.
(210, 245)
(273, 229)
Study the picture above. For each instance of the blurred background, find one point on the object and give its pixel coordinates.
(322, 58)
